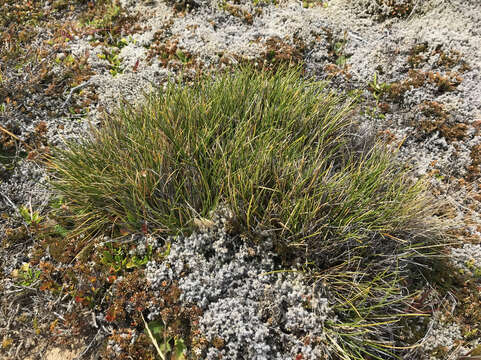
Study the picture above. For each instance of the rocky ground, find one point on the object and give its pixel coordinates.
(418, 65)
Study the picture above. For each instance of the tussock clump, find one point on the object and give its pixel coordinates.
(279, 152)
(271, 146)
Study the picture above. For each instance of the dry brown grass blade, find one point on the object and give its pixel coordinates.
(152, 338)
(15, 137)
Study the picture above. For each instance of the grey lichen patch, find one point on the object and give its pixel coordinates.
(250, 310)
(468, 259)
(210, 30)
(441, 338)
(27, 185)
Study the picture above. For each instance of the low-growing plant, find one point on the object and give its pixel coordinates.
(283, 154)
(339, 52)
(30, 216)
(378, 89)
(114, 62)
(119, 258)
(337, 49)
(264, 2)
(111, 11)
(164, 344)
(312, 3)
(27, 276)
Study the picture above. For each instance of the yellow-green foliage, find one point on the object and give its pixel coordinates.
(271, 146)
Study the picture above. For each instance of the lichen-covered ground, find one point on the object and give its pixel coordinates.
(62, 63)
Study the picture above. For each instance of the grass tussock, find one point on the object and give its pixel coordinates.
(271, 146)
(279, 151)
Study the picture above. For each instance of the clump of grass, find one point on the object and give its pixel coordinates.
(278, 150)
(272, 146)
